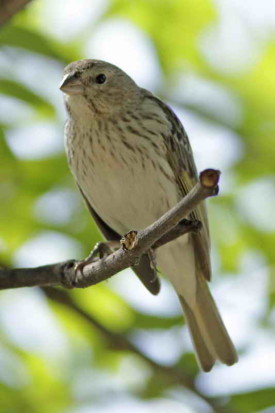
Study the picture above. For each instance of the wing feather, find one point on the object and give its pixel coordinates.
(181, 160)
(145, 272)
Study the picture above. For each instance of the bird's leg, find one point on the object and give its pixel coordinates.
(100, 250)
(153, 262)
(103, 249)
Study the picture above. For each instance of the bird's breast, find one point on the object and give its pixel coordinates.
(125, 178)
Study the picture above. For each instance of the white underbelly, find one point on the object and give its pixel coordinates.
(127, 195)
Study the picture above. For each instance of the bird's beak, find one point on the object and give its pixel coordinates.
(71, 85)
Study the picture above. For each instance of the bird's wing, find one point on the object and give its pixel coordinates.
(143, 269)
(180, 158)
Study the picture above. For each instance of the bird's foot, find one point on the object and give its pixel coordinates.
(100, 250)
(193, 225)
(153, 263)
(153, 259)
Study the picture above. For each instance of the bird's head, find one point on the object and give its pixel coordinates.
(96, 88)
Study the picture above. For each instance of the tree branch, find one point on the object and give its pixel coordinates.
(182, 228)
(161, 231)
(8, 8)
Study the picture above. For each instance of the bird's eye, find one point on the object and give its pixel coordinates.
(100, 78)
(77, 75)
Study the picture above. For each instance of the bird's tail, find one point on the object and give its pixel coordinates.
(209, 335)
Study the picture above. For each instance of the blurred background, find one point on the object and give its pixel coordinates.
(114, 347)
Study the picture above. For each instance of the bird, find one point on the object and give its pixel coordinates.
(132, 161)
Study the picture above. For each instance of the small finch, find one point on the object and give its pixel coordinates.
(132, 161)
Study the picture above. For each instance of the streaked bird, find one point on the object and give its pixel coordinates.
(132, 161)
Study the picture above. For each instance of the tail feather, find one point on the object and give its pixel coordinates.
(204, 357)
(209, 335)
(210, 338)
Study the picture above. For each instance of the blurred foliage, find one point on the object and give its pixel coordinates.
(33, 382)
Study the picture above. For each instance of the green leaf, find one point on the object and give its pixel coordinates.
(254, 401)
(35, 42)
(148, 321)
(22, 92)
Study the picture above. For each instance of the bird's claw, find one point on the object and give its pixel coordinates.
(194, 224)
(153, 259)
(100, 250)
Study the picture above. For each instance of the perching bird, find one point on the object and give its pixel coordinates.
(132, 161)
